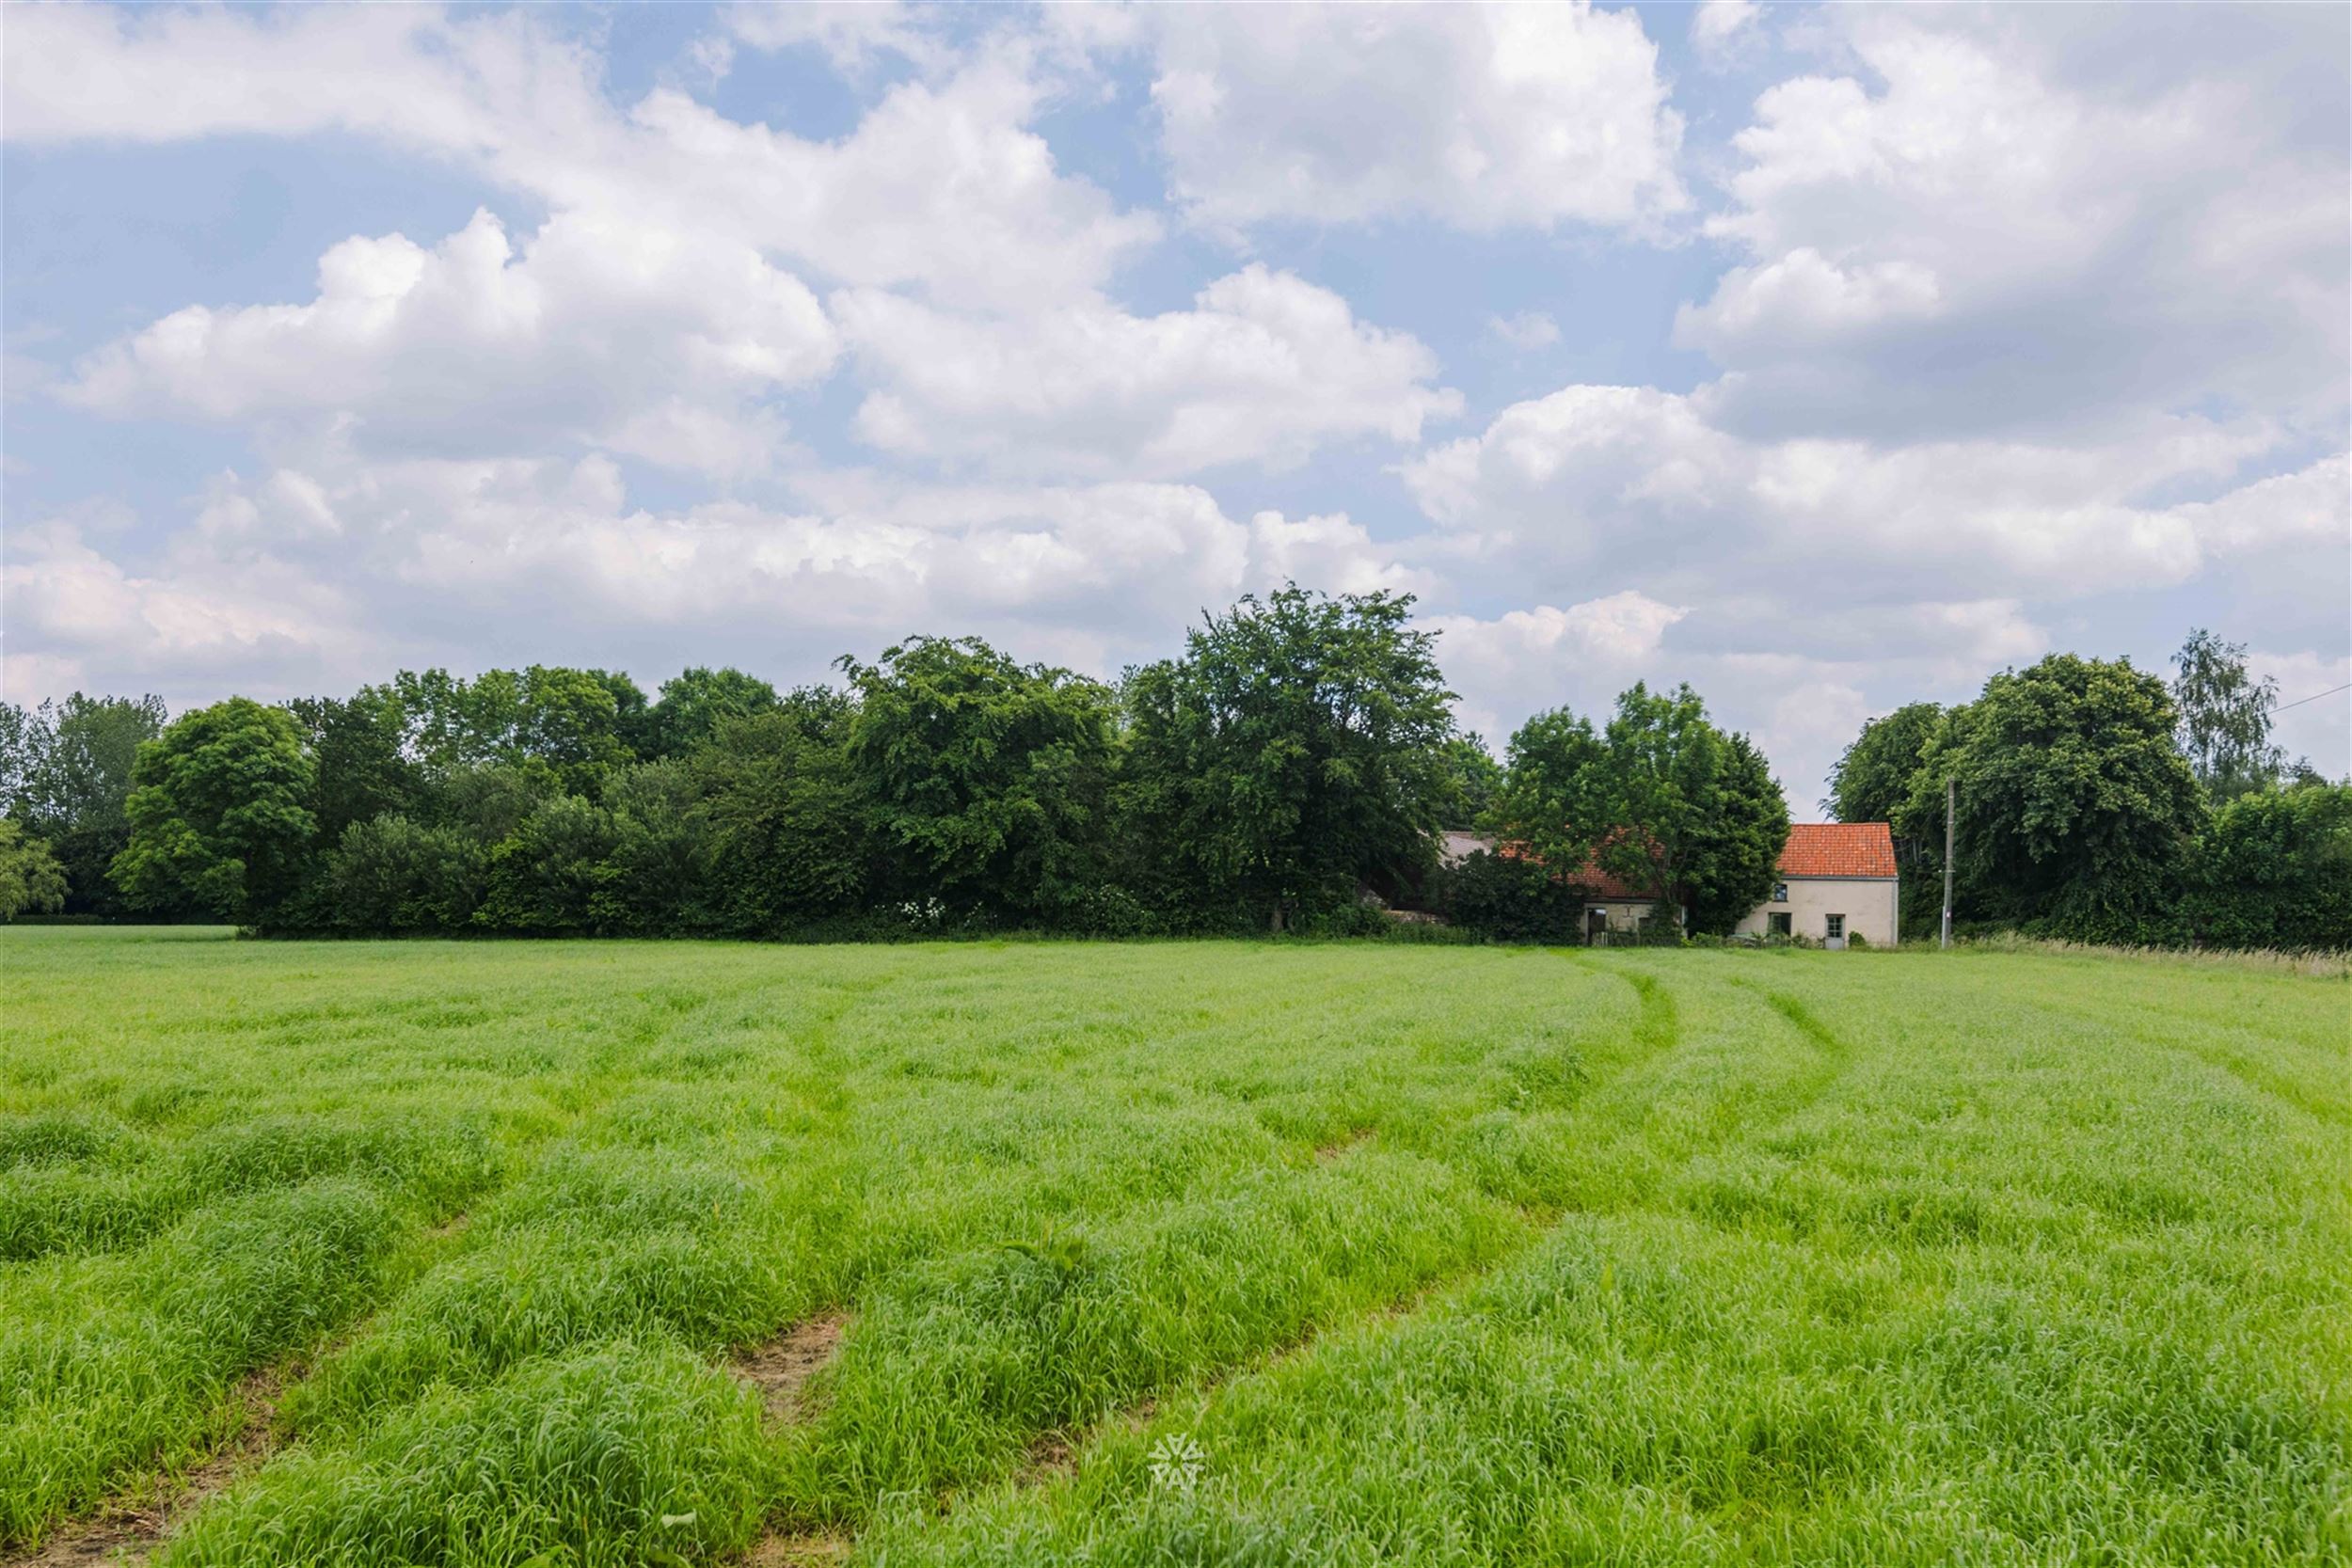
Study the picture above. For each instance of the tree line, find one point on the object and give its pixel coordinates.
(1301, 748)
(2098, 802)
(1288, 771)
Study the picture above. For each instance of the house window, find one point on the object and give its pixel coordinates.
(1780, 892)
(1776, 923)
(1835, 927)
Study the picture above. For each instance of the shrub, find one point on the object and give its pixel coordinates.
(391, 874)
(2274, 870)
(1508, 899)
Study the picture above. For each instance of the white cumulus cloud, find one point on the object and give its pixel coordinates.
(614, 335)
(1488, 118)
(1264, 368)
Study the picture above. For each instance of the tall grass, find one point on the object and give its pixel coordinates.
(2319, 965)
(1442, 1254)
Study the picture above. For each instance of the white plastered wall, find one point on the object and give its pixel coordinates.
(1868, 903)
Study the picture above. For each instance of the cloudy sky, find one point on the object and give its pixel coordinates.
(1826, 358)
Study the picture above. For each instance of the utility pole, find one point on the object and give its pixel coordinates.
(1952, 794)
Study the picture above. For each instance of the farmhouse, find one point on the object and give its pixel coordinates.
(1837, 880)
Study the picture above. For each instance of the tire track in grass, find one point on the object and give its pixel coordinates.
(129, 1527)
(1657, 1023)
(780, 1369)
(1837, 1053)
(130, 1524)
(1056, 1456)
(142, 1505)
(797, 1535)
(1055, 1452)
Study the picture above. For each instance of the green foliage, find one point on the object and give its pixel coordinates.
(489, 803)
(795, 841)
(1298, 749)
(1473, 783)
(2274, 870)
(1872, 778)
(393, 874)
(988, 777)
(694, 706)
(30, 878)
(1297, 760)
(576, 723)
(1509, 898)
(664, 851)
(1660, 798)
(2076, 808)
(358, 746)
(219, 812)
(555, 876)
(2224, 718)
(64, 773)
(1735, 856)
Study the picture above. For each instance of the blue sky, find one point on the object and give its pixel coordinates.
(1826, 359)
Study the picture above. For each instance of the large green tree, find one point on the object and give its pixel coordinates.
(2076, 803)
(552, 878)
(796, 834)
(664, 851)
(2224, 718)
(67, 777)
(1872, 778)
(392, 873)
(987, 778)
(1874, 781)
(1297, 748)
(360, 749)
(1473, 781)
(219, 814)
(696, 703)
(1658, 798)
(1734, 857)
(30, 877)
(577, 726)
(24, 737)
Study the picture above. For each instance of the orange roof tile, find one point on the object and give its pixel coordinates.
(1839, 850)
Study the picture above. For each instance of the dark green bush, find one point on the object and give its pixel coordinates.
(2274, 870)
(1504, 899)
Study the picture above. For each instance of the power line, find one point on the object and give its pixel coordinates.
(2313, 697)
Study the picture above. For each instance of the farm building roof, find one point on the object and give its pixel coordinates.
(1814, 849)
(1839, 850)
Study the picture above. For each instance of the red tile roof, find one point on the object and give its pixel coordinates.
(1814, 849)
(1839, 850)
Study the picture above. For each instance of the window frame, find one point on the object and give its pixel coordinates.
(1834, 928)
(1778, 922)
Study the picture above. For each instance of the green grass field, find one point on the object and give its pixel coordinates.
(507, 1253)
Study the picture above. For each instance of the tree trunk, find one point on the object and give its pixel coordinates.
(1277, 926)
